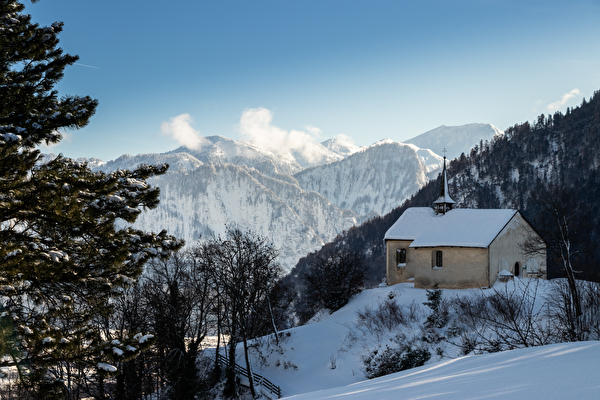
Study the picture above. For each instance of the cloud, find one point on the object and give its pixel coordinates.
(345, 138)
(313, 130)
(180, 128)
(557, 105)
(256, 126)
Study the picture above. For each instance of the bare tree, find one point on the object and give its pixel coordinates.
(244, 270)
(557, 222)
(499, 320)
(180, 299)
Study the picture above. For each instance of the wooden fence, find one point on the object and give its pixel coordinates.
(258, 379)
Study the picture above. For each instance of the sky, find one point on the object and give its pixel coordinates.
(168, 73)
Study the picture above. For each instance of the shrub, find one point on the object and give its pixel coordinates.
(390, 360)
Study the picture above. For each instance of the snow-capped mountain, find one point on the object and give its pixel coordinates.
(176, 161)
(374, 180)
(203, 201)
(455, 139)
(221, 150)
(300, 201)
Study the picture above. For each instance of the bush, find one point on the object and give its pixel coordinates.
(390, 360)
(387, 316)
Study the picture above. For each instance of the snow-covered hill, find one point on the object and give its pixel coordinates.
(455, 139)
(323, 359)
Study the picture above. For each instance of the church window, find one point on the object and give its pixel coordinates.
(401, 257)
(439, 259)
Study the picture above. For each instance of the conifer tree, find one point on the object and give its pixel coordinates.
(62, 259)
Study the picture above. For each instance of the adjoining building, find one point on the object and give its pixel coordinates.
(451, 247)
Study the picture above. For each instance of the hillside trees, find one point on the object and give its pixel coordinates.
(243, 271)
(63, 259)
(179, 298)
(334, 277)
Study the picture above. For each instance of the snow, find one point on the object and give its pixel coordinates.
(320, 361)
(458, 227)
(143, 338)
(107, 367)
(559, 371)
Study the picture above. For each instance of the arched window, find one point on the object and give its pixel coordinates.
(401, 257)
(439, 259)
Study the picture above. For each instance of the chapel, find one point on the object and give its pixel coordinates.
(448, 247)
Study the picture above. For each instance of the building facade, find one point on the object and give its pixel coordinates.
(459, 248)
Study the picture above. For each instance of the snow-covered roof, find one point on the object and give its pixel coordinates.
(459, 227)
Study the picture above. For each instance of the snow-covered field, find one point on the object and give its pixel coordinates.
(324, 360)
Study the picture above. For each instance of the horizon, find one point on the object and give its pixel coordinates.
(311, 71)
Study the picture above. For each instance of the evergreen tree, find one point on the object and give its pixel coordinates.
(62, 257)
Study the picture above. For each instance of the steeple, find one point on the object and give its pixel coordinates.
(444, 202)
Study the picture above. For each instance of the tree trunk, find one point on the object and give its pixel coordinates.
(249, 368)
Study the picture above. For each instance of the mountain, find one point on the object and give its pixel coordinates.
(221, 150)
(374, 180)
(455, 139)
(300, 199)
(341, 147)
(200, 198)
(203, 201)
(176, 161)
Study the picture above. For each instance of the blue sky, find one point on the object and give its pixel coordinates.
(166, 72)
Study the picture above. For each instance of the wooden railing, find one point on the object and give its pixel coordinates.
(258, 379)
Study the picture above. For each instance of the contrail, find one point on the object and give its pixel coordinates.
(85, 65)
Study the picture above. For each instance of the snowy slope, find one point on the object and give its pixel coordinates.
(455, 139)
(200, 202)
(322, 359)
(558, 371)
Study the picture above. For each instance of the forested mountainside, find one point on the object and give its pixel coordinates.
(556, 157)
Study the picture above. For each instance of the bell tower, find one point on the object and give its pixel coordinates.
(444, 202)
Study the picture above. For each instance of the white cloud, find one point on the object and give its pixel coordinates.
(557, 105)
(345, 138)
(256, 126)
(313, 130)
(180, 128)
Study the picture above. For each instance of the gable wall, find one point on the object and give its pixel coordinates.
(462, 267)
(395, 274)
(507, 245)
